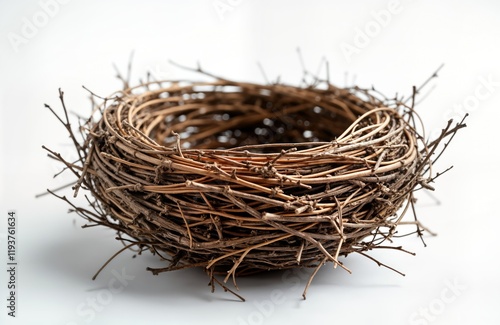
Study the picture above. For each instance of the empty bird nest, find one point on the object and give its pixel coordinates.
(239, 178)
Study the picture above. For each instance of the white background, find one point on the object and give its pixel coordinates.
(78, 43)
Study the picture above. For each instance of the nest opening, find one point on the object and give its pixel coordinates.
(229, 117)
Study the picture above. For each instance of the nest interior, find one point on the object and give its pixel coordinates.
(239, 178)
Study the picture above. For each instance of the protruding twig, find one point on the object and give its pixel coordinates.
(304, 294)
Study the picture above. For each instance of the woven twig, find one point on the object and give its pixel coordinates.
(239, 177)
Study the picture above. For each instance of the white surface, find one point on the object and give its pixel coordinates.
(79, 44)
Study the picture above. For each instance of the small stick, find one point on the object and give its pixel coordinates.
(111, 258)
(312, 277)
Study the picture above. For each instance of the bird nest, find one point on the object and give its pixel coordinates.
(238, 178)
